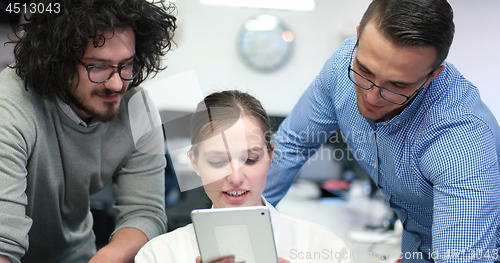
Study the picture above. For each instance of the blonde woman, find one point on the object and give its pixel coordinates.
(230, 134)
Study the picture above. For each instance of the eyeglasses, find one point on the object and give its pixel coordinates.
(102, 73)
(387, 94)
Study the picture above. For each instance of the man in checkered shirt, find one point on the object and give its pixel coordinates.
(414, 123)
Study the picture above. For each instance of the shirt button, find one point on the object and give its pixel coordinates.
(398, 122)
(385, 123)
(404, 210)
(374, 165)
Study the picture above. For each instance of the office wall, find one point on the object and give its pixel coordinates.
(475, 49)
(207, 53)
(206, 58)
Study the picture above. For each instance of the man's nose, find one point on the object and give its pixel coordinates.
(114, 83)
(373, 95)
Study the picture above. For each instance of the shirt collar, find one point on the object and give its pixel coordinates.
(72, 114)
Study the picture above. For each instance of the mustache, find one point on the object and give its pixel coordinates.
(107, 92)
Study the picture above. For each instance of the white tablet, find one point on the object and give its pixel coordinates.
(244, 232)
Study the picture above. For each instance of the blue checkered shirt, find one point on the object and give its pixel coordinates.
(437, 162)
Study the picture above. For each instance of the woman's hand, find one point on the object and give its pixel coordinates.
(231, 260)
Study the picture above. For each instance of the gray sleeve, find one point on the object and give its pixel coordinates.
(16, 139)
(139, 185)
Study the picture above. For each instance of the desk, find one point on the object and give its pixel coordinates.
(343, 217)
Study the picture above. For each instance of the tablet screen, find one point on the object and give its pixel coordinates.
(235, 240)
(244, 232)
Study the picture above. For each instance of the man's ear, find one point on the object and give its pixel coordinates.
(437, 72)
(357, 33)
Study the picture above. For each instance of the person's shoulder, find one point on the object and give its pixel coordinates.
(176, 246)
(450, 85)
(185, 231)
(345, 50)
(449, 80)
(347, 46)
(143, 119)
(341, 57)
(12, 87)
(180, 235)
(338, 62)
(452, 98)
(9, 77)
(20, 103)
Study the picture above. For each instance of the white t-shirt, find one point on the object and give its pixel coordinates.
(296, 241)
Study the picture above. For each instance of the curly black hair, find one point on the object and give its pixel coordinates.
(47, 51)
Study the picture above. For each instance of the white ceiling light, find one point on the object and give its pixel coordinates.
(262, 23)
(305, 5)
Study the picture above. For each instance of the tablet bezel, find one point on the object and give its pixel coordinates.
(257, 220)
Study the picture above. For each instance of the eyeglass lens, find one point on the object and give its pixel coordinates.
(101, 73)
(384, 93)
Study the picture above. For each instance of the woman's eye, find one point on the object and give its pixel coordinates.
(251, 160)
(217, 164)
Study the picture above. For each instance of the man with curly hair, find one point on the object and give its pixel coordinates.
(75, 118)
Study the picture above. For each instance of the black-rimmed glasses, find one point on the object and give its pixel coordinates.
(387, 94)
(102, 73)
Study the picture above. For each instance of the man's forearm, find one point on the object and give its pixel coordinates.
(122, 248)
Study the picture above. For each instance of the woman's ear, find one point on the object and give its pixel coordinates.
(192, 159)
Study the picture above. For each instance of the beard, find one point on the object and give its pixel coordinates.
(110, 111)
